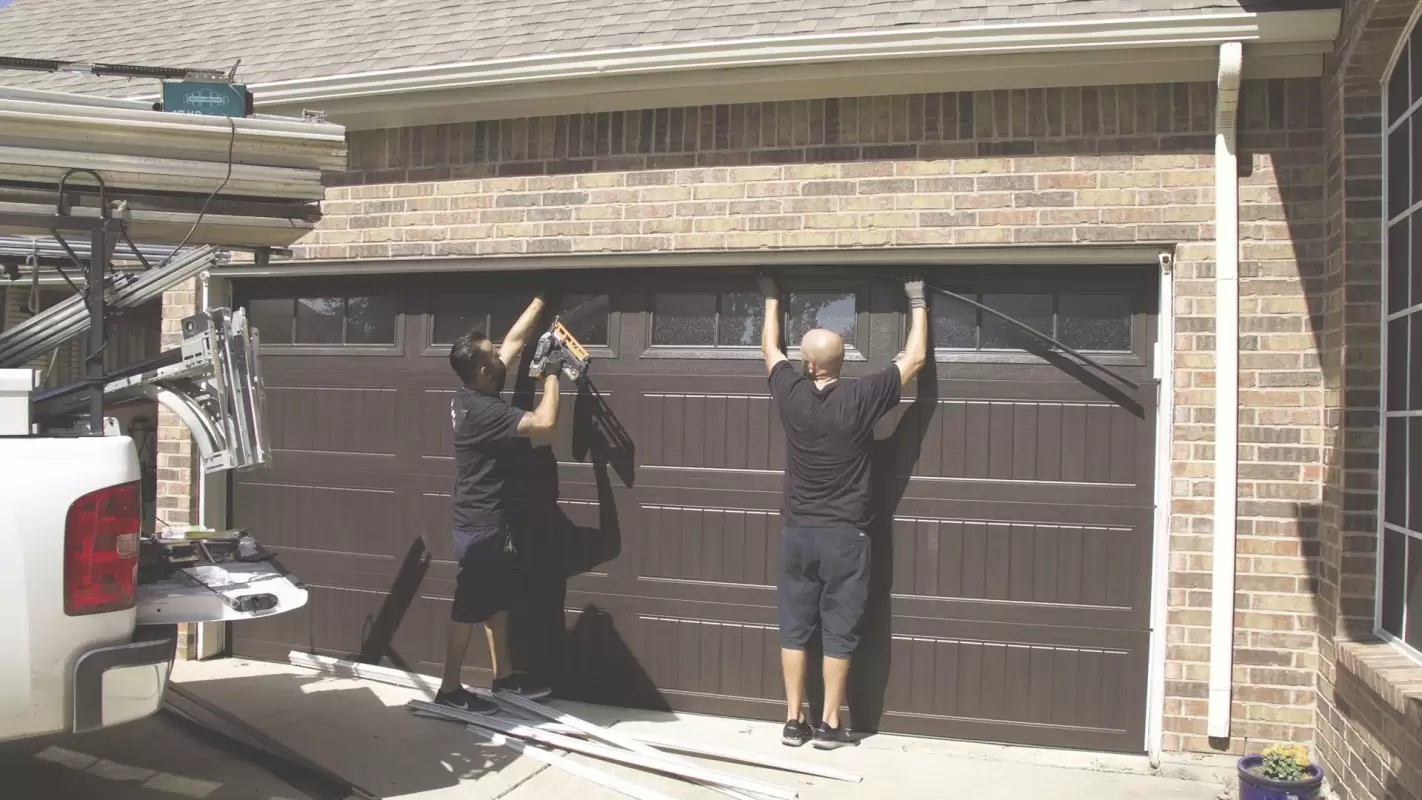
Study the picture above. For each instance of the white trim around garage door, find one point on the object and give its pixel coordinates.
(215, 504)
(1160, 545)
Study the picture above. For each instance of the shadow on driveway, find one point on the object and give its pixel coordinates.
(361, 732)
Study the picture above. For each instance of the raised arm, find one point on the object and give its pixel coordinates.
(544, 418)
(770, 330)
(522, 331)
(916, 348)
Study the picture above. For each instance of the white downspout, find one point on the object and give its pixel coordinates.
(1226, 390)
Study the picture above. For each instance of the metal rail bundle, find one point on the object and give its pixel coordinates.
(70, 318)
(46, 250)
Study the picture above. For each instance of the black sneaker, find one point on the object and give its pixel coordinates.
(465, 700)
(523, 685)
(795, 733)
(827, 738)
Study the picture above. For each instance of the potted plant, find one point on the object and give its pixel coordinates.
(1282, 772)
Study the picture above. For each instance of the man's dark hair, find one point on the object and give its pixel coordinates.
(467, 354)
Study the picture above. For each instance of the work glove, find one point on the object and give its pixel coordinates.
(914, 290)
(769, 287)
(552, 365)
(548, 286)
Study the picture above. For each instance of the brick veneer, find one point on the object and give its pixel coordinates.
(1369, 695)
(1094, 164)
(176, 487)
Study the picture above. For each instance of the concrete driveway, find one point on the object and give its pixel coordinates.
(361, 731)
(158, 758)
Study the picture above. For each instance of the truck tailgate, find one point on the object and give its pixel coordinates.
(233, 590)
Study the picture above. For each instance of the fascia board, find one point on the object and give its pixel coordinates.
(1125, 33)
(811, 81)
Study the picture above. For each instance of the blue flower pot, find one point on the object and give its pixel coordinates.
(1253, 786)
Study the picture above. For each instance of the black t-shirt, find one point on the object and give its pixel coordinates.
(828, 433)
(487, 453)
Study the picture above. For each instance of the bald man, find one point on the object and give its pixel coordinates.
(823, 581)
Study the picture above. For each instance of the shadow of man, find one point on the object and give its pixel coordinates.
(556, 542)
(893, 457)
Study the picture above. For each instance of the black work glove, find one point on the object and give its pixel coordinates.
(915, 292)
(548, 287)
(769, 286)
(553, 365)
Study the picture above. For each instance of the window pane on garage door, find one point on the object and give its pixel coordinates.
(1094, 322)
(833, 311)
(370, 320)
(684, 319)
(586, 317)
(1034, 310)
(319, 320)
(273, 317)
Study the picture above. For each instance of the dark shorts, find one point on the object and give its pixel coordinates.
(823, 584)
(481, 589)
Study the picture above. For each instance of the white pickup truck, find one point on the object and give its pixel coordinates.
(87, 635)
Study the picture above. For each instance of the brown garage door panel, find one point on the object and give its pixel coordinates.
(316, 517)
(713, 545)
(1027, 684)
(710, 657)
(713, 431)
(295, 418)
(1003, 690)
(1090, 443)
(1013, 561)
(1047, 565)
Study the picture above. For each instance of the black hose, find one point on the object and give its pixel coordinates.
(1084, 359)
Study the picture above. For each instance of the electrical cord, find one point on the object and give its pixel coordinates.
(202, 212)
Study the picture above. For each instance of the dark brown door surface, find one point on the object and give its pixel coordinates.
(1015, 487)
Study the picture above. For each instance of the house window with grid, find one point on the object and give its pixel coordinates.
(1399, 602)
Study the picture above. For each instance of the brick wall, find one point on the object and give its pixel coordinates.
(1368, 736)
(1094, 164)
(177, 479)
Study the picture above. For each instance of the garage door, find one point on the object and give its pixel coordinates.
(1015, 488)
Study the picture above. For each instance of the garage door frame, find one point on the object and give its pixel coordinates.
(216, 289)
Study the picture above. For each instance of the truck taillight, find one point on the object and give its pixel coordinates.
(101, 550)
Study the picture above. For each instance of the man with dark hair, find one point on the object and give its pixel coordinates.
(823, 577)
(487, 452)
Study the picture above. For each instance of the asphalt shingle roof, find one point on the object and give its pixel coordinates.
(286, 39)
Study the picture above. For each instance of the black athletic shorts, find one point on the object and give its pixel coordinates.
(482, 587)
(823, 584)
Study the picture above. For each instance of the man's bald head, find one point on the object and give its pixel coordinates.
(823, 353)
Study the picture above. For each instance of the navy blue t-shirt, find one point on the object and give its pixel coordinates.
(488, 452)
(828, 433)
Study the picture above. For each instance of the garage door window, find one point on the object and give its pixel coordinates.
(707, 320)
(1093, 322)
(585, 315)
(490, 314)
(1399, 602)
(729, 324)
(325, 321)
(834, 311)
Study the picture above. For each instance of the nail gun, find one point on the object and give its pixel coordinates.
(559, 346)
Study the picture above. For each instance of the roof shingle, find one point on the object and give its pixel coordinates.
(285, 39)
